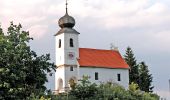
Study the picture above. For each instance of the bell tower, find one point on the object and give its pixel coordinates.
(67, 52)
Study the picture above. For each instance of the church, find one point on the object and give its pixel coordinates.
(73, 62)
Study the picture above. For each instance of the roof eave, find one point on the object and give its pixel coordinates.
(105, 67)
(66, 30)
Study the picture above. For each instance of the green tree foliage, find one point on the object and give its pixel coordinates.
(84, 90)
(112, 91)
(137, 94)
(133, 87)
(145, 78)
(22, 72)
(131, 61)
(105, 91)
(139, 73)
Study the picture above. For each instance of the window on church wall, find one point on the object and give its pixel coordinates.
(96, 76)
(71, 68)
(59, 43)
(71, 42)
(118, 77)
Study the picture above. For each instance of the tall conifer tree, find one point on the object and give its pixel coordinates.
(145, 78)
(131, 61)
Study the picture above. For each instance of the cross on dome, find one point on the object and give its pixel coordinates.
(66, 6)
(66, 21)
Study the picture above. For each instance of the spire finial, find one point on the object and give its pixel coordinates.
(66, 7)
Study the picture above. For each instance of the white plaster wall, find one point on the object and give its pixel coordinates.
(59, 52)
(70, 74)
(106, 75)
(74, 49)
(62, 53)
(60, 73)
(62, 58)
(65, 74)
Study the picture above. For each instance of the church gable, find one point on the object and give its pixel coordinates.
(101, 58)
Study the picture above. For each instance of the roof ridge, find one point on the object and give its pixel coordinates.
(98, 49)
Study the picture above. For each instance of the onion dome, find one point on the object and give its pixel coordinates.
(66, 21)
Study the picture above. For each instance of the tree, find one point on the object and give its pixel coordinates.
(112, 91)
(84, 90)
(137, 94)
(106, 91)
(131, 61)
(139, 73)
(22, 72)
(145, 78)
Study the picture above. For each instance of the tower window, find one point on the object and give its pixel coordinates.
(71, 42)
(71, 68)
(96, 76)
(59, 44)
(118, 77)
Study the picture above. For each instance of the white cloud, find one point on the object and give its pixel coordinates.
(151, 17)
(157, 8)
(32, 14)
(112, 14)
(138, 16)
(106, 14)
(37, 31)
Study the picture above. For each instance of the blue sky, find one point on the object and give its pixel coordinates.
(141, 24)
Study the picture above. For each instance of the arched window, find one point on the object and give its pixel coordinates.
(71, 42)
(60, 84)
(59, 44)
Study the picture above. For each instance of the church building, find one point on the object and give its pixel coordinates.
(73, 62)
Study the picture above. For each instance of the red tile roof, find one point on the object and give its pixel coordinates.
(101, 58)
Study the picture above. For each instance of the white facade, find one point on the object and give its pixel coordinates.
(68, 69)
(62, 53)
(64, 72)
(106, 75)
(66, 57)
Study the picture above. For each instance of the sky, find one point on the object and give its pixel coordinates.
(144, 25)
